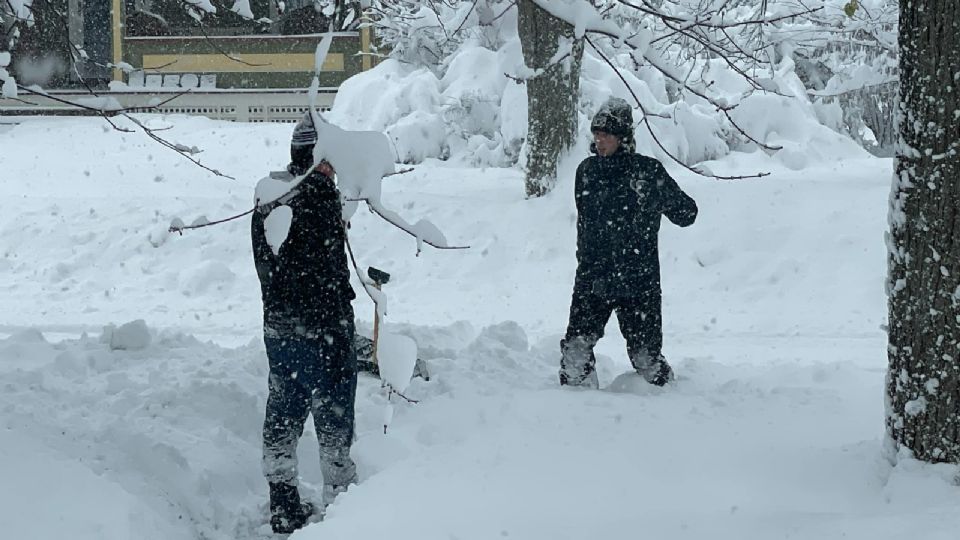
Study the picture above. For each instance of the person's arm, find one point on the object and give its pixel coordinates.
(578, 195)
(263, 257)
(679, 207)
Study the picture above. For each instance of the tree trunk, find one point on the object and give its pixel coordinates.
(551, 97)
(923, 384)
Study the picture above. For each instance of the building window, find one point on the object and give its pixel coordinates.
(173, 18)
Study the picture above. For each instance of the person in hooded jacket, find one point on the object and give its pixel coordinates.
(620, 197)
(308, 333)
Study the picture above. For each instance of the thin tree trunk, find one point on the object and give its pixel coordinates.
(879, 106)
(923, 384)
(552, 97)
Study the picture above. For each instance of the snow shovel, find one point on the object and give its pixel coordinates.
(367, 348)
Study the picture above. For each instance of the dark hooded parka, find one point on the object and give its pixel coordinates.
(620, 199)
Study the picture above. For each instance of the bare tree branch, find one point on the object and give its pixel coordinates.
(539, 71)
(25, 102)
(379, 212)
(473, 6)
(105, 113)
(150, 132)
(219, 49)
(176, 148)
(394, 391)
(98, 110)
(651, 10)
(505, 10)
(747, 135)
(180, 229)
(819, 93)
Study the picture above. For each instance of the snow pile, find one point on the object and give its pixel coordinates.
(48, 496)
(131, 336)
(459, 107)
(118, 444)
(170, 434)
(786, 118)
(693, 131)
(426, 116)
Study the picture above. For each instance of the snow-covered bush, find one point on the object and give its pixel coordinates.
(441, 92)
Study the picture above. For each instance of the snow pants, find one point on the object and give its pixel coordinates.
(311, 374)
(641, 323)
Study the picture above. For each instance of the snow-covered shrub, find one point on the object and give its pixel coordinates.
(441, 94)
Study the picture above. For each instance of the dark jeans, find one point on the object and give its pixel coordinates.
(318, 376)
(641, 323)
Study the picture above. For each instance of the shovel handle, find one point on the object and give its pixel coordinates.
(376, 329)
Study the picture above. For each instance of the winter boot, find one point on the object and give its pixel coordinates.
(287, 513)
(588, 380)
(330, 493)
(577, 364)
(654, 369)
(339, 472)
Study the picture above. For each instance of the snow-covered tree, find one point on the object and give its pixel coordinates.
(923, 383)
(551, 49)
(679, 46)
(846, 54)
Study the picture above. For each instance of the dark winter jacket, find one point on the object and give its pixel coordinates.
(620, 199)
(306, 286)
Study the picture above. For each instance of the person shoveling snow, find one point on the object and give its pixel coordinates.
(308, 325)
(298, 232)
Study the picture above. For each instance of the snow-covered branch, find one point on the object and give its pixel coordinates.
(645, 120)
(424, 231)
(376, 295)
(186, 152)
(710, 31)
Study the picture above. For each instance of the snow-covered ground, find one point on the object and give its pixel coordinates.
(773, 310)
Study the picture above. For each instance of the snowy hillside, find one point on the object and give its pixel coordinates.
(773, 308)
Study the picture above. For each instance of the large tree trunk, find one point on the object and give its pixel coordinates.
(923, 384)
(551, 97)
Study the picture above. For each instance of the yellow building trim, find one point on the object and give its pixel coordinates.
(366, 59)
(248, 63)
(117, 38)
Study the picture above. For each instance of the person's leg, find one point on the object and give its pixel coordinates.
(588, 315)
(641, 323)
(333, 409)
(288, 404)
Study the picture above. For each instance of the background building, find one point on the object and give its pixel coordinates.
(168, 48)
